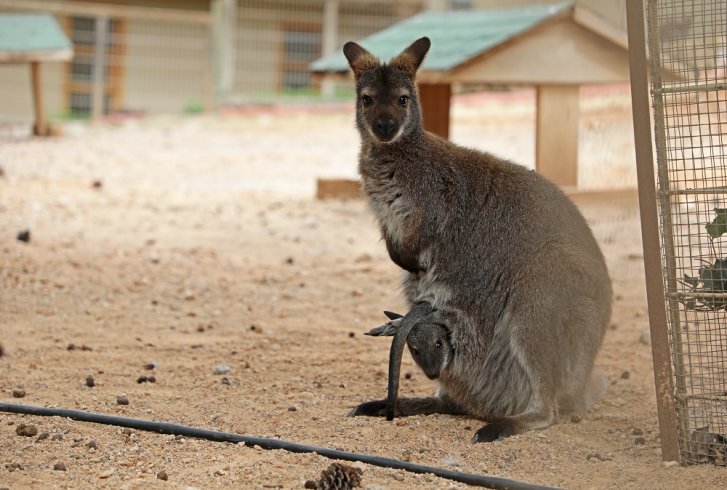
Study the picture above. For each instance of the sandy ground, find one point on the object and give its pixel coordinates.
(202, 246)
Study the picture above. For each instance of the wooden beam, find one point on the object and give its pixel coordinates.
(40, 128)
(661, 358)
(435, 100)
(556, 133)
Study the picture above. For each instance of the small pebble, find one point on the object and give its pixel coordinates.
(645, 337)
(637, 432)
(162, 475)
(292, 409)
(670, 464)
(311, 484)
(222, 369)
(625, 375)
(96, 184)
(407, 375)
(351, 334)
(151, 379)
(14, 466)
(26, 430)
(225, 381)
(90, 382)
(24, 236)
(106, 474)
(639, 440)
(122, 399)
(289, 261)
(18, 393)
(56, 437)
(92, 444)
(142, 379)
(127, 431)
(151, 365)
(401, 422)
(59, 466)
(42, 436)
(575, 418)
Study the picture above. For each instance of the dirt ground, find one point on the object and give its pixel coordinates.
(191, 243)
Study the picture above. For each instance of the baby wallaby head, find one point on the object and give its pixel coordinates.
(430, 347)
(387, 107)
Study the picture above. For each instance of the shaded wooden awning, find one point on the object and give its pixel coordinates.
(33, 38)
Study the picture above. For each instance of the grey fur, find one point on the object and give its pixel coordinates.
(501, 250)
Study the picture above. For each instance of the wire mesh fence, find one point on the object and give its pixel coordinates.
(688, 49)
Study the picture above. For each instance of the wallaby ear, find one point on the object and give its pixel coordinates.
(359, 59)
(411, 58)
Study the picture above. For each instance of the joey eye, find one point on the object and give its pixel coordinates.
(438, 344)
(367, 100)
(403, 100)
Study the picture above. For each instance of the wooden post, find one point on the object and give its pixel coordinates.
(98, 90)
(224, 36)
(661, 358)
(435, 100)
(40, 128)
(556, 134)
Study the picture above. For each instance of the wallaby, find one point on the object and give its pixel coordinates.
(496, 247)
(428, 340)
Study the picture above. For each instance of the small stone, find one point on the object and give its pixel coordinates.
(575, 418)
(406, 455)
(407, 375)
(162, 475)
(92, 444)
(142, 379)
(127, 431)
(42, 436)
(56, 437)
(292, 409)
(26, 430)
(625, 375)
(222, 369)
(225, 381)
(670, 464)
(639, 440)
(637, 432)
(311, 484)
(106, 474)
(645, 337)
(151, 365)
(122, 399)
(401, 422)
(97, 184)
(14, 466)
(24, 236)
(151, 379)
(90, 382)
(19, 393)
(59, 466)
(351, 335)
(289, 261)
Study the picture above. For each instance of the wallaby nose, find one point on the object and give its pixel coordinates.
(385, 127)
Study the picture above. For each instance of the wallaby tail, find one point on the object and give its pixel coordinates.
(595, 389)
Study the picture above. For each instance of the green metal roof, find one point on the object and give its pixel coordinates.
(457, 36)
(22, 34)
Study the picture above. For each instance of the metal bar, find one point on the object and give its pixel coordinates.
(690, 88)
(709, 398)
(667, 226)
(696, 295)
(686, 192)
(650, 232)
(99, 67)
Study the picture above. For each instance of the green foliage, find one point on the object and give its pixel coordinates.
(718, 226)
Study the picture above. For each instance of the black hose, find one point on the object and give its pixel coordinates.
(267, 443)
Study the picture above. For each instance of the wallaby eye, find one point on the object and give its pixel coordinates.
(403, 100)
(367, 100)
(438, 344)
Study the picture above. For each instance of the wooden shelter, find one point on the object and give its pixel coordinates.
(33, 39)
(555, 48)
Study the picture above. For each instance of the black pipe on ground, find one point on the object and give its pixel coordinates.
(268, 443)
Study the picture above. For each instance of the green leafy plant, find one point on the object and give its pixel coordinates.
(712, 277)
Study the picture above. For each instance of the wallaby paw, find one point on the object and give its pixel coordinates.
(386, 330)
(374, 408)
(498, 429)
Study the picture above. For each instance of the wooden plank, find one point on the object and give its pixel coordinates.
(435, 100)
(27, 57)
(556, 133)
(661, 357)
(40, 128)
(338, 189)
(90, 9)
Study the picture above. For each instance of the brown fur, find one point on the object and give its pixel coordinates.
(496, 247)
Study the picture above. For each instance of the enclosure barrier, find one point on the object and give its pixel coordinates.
(687, 68)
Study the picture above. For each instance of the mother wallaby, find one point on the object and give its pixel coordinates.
(501, 250)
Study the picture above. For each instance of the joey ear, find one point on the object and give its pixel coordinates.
(411, 58)
(359, 59)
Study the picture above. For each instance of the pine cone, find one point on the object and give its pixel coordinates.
(337, 477)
